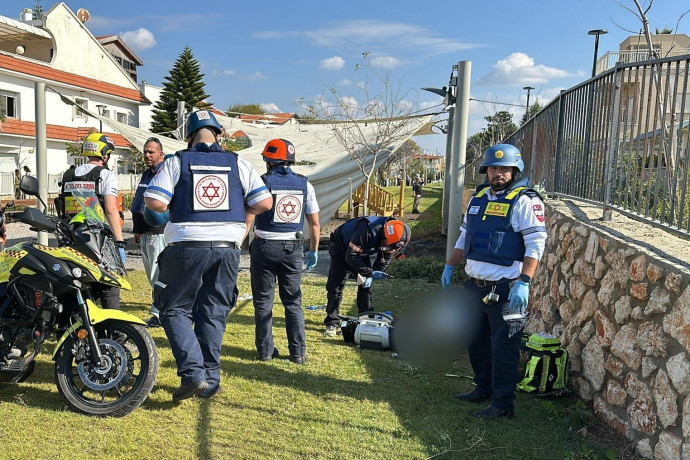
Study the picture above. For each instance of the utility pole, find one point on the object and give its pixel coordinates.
(458, 155)
(41, 154)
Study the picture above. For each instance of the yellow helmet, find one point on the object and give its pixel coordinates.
(97, 145)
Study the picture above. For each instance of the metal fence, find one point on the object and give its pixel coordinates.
(127, 184)
(620, 139)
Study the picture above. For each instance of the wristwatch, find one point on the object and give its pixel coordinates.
(525, 278)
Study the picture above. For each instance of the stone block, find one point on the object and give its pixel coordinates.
(673, 282)
(648, 366)
(587, 332)
(677, 322)
(653, 273)
(590, 304)
(609, 290)
(651, 339)
(583, 388)
(638, 268)
(605, 328)
(644, 448)
(639, 291)
(615, 393)
(614, 367)
(609, 416)
(665, 399)
(622, 309)
(659, 301)
(685, 417)
(642, 417)
(668, 447)
(593, 363)
(592, 247)
(624, 346)
(636, 387)
(678, 368)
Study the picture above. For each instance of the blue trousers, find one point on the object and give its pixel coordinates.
(493, 355)
(195, 293)
(281, 260)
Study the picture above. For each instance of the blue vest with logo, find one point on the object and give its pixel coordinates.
(287, 213)
(375, 225)
(489, 235)
(209, 189)
(138, 201)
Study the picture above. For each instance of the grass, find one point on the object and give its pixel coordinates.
(343, 403)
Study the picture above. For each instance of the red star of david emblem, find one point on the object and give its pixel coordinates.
(291, 210)
(210, 192)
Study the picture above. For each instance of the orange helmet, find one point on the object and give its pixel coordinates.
(396, 235)
(279, 151)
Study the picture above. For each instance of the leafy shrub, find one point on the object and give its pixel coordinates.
(427, 268)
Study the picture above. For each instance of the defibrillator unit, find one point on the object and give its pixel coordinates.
(370, 330)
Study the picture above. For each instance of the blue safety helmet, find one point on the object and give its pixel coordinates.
(154, 218)
(502, 155)
(202, 119)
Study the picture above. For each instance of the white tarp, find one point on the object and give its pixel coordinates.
(313, 142)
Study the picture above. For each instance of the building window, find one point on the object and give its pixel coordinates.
(83, 103)
(106, 113)
(8, 104)
(122, 118)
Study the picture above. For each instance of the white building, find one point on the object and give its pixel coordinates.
(61, 52)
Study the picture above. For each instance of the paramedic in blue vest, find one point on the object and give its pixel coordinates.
(502, 239)
(209, 193)
(277, 251)
(149, 236)
(352, 246)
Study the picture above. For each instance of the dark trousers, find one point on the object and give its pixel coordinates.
(195, 292)
(110, 298)
(338, 274)
(493, 355)
(281, 260)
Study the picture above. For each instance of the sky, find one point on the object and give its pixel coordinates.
(285, 55)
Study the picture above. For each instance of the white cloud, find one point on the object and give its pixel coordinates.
(224, 72)
(178, 22)
(370, 34)
(519, 69)
(345, 82)
(333, 63)
(257, 76)
(385, 61)
(139, 39)
(436, 104)
(270, 107)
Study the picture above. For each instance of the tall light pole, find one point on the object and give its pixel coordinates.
(596, 33)
(528, 88)
(101, 111)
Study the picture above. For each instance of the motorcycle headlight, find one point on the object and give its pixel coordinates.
(76, 272)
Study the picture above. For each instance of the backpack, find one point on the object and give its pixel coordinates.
(546, 372)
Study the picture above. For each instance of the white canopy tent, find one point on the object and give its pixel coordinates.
(332, 168)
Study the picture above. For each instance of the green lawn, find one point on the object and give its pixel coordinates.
(343, 403)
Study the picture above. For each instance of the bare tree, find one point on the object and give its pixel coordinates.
(369, 123)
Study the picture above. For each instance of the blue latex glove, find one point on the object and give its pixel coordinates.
(310, 259)
(367, 282)
(377, 275)
(447, 275)
(122, 254)
(519, 296)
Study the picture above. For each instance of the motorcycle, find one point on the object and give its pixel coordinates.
(3, 228)
(106, 361)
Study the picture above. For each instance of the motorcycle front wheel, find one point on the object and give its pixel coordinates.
(120, 383)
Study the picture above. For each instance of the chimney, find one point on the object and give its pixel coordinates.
(27, 15)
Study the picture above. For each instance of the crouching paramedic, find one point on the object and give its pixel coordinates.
(352, 246)
(503, 238)
(209, 192)
(277, 251)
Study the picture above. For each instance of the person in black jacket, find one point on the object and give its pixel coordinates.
(351, 247)
(150, 238)
(417, 192)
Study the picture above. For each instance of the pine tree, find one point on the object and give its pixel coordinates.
(185, 83)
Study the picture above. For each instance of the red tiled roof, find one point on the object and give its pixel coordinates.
(278, 118)
(45, 71)
(63, 133)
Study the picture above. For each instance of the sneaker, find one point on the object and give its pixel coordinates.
(189, 390)
(331, 331)
(275, 354)
(298, 359)
(153, 322)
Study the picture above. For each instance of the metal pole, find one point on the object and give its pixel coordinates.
(447, 175)
(41, 155)
(458, 155)
(612, 153)
(180, 117)
(528, 88)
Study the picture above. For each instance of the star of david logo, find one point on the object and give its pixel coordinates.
(291, 209)
(210, 192)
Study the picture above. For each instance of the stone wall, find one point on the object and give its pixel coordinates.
(623, 314)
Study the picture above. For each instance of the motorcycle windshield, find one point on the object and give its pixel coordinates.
(90, 210)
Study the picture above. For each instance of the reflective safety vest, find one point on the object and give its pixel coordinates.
(289, 191)
(89, 182)
(489, 235)
(209, 189)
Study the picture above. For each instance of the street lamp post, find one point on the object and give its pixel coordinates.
(528, 88)
(596, 33)
(101, 111)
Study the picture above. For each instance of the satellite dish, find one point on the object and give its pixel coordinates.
(20, 49)
(83, 15)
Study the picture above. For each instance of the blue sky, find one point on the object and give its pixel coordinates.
(281, 53)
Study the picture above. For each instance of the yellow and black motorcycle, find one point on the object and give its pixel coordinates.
(106, 361)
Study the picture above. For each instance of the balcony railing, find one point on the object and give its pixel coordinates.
(610, 59)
